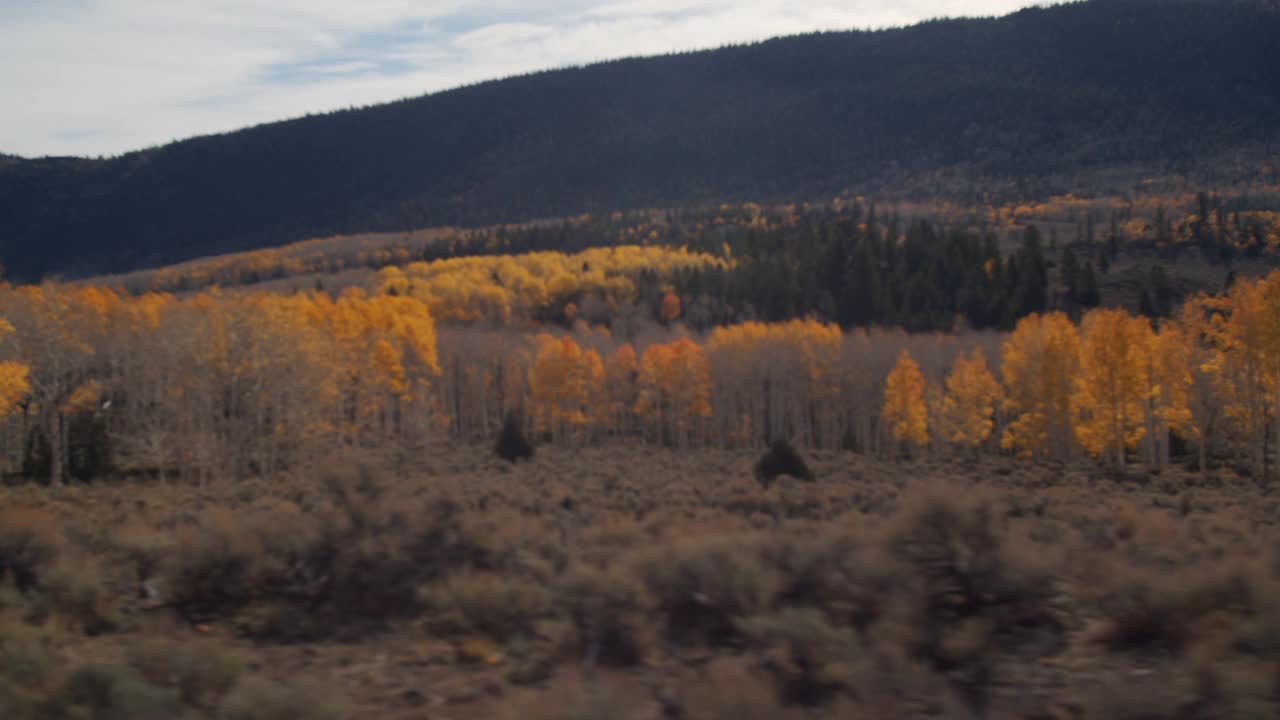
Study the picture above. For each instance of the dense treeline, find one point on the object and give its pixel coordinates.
(217, 385)
(1043, 92)
(853, 271)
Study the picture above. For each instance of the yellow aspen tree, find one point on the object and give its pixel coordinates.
(557, 387)
(1107, 402)
(905, 414)
(56, 332)
(1038, 365)
(1164, 360)
(1245, 331)
(1194, 327)
(969, 403)
(621, 371)
(596, 396)
(674, 390)
(14, 383)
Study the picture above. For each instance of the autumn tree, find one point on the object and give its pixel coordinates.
(674, 390)
(558, 387)
(14, 383)
(56, 333)
(1108, 393)
(904, 413)
(621, 374)
(670, 310)
(969, 402)
(776, 380)
(1165, 359)
(1038, 366)
(1194, 327)
(1246, 330)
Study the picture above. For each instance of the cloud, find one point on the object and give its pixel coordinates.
(100, 77)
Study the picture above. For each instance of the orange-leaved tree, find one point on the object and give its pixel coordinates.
(674, 390)
(969, 403)
(558, 388)
(905, 413)
(1107, 402)
(1038, 364)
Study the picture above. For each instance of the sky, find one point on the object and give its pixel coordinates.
(102, 77)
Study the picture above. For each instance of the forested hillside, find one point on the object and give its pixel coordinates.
(950, 106)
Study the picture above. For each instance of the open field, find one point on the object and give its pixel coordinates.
(626, 582)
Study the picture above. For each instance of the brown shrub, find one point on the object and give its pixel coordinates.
(502, 608)
(357, 558)
(28, 671)
(202, 671)
(212, 570)
(810, 660)
(704, 586)
(970, 590)
(847, 576)
(607, 614)
(599, 701)
(76, 591)
(30, 540)
(110, 692)
(256, 698)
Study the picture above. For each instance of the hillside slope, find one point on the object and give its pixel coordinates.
(1044, 91)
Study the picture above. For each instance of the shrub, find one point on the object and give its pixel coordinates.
(842, 574)
(705, 586)
(28, 671)
(969, 588)
(256, 698)
(782, 459)
(202, 671)
(596, 702)
(145, 549)
(964, 565)
(1145, 613)
(213, 567)
(606, 611)
(512, 445)
(30, 540)
(115, 693)
(76, 590)
(357, 558)
(811, 660)
(499, 607)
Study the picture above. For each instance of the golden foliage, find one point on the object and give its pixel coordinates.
(502, 288)
(1039, 362)
(969, 403)
(1109, 385)
(674, 386)
(905, 412)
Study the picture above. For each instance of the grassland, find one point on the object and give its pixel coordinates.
(622, 582)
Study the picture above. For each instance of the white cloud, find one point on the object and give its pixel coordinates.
(100, 77)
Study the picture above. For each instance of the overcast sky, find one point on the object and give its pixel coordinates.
(101, 77)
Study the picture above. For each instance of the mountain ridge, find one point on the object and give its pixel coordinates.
(1039, 92)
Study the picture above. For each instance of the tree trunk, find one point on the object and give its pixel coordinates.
(56, 441)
